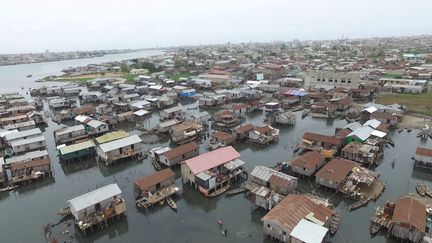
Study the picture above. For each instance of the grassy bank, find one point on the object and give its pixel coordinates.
(421, 104)
(177, 76)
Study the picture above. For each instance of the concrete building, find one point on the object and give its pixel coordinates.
(337, 79)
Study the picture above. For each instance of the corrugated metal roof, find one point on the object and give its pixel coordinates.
(141, 112)
(173, 109)
(309, 232)
(66, 130)
(77, 147)
(169, 123)
(261, 191)
(234, 164)
(362, 133)
(411, 212)
(295, 207)
(353, 126)
(21, 134)
(27, 141)
(155, 178)
(203, 176)
(95, 123)
(27, 156)
(111, 136)
(89, 199)
(379, 134)
(20, 124)
(212, 159)
(264, 173)
(120, 143)
(374, 123)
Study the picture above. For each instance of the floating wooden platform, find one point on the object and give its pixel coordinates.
(159, 196)
(236, 191)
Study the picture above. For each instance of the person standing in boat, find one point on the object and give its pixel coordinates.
(220, 222)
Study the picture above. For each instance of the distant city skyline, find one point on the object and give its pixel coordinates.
(36, 26)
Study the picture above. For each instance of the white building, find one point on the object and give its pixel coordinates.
(22, 145)
(35, 132)
(124, 148)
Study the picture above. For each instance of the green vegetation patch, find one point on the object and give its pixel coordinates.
(416, 103)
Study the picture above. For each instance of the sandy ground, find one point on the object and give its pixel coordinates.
(415, 121)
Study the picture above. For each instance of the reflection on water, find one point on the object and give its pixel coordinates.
(34, 205)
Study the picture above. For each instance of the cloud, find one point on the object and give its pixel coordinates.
(96, 28)
(123, 29)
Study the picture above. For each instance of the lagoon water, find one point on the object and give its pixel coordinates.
(24, 212)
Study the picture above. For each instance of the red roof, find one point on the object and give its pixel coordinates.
(180, 150)
(245, 128)
(239, 106)
(155, 178)
(308, 160)
(336, 170)
(345, 101)
(30, 164)
(221, 136)
(263, 129)
(409, 210)
(212, 159)
(342, 133)
(321, 138)
(424, 152)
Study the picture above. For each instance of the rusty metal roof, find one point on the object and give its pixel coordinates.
(410, 211)
(180, 150)
(308, 160)
(336, 170)
(424, 151)
(155, 178)
(295, 207)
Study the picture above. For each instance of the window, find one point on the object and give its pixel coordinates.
(318, 79)
(349, 80)
(343, 80)
(323, 79)
(336, 80)
(268, 226)
(330, 80)
(283, 233)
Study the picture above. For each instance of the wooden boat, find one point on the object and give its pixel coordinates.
(29, 76)
(428, 191)
(8, 188)
(335, 221)
(171, 203)
(219, 191)
(421, 189)
(359, 203)
(409, 130)
(305, 113)
(374, 228)
(64, 211)
(400, 130)
(236, 191)
(156, 165)
(393, 163)
(298, 108)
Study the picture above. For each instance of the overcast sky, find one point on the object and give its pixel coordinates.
(60, 25)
